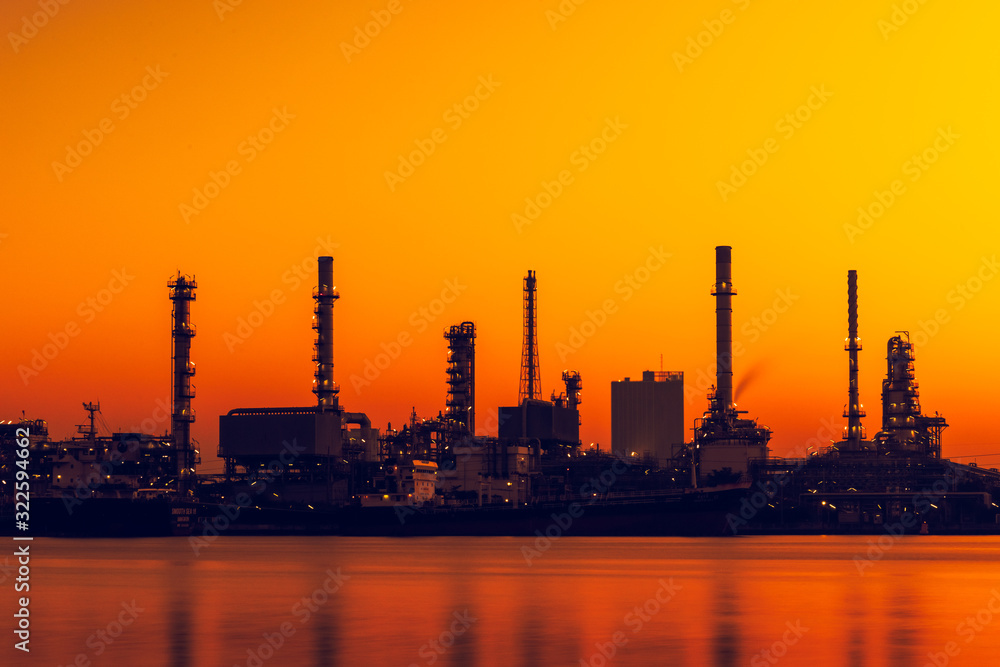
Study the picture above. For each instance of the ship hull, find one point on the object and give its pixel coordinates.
(695, 514)
(692, 514)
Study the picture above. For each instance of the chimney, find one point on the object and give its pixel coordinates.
(723, 292)
(323, 386)
(182, 294)
(853, 412)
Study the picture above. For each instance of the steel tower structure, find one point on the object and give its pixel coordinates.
(531, 386)
(461, 399)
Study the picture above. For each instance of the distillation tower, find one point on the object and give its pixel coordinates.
(460, 404)
(182, 294)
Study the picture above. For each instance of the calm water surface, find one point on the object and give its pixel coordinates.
(477, 601)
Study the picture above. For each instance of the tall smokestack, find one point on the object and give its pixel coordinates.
(723, 292)
(853, 412)
(182, 294)
(324, 387)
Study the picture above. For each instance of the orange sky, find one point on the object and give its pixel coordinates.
(308, 125)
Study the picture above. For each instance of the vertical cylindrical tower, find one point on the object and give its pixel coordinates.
(325, 295)
(723, 292)
(531, 385)
(574, 385)
(461, 399)
(182, 294)
(853, 412)
(900, 396)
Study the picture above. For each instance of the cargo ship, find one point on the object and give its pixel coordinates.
(681, 513)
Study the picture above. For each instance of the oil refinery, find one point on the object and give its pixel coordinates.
(325, 469)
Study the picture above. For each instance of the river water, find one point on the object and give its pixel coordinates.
(918, 600)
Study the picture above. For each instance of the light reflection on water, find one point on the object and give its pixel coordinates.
(476, 601)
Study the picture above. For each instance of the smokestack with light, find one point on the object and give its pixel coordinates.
(723, 292)
(325, 295)
(724, 443)
(854, 413)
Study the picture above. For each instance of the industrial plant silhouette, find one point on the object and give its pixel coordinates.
(324, 469)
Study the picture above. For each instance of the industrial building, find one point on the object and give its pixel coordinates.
(896, 479)
(312, 447)
(340, 459)
(554, 425)
(322, 457)
(905, 430)
(91, 465)
(120, 465)
(725, 443)
(647, 417)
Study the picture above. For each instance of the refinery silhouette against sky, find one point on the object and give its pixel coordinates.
(560, 285)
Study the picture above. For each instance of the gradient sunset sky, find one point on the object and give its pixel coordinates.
(640, 129)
